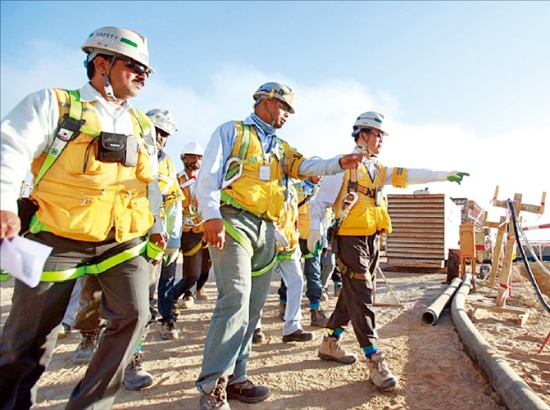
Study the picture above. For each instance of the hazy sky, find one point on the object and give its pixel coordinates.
(463, 85)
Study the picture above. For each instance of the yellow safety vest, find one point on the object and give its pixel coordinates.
(192, 222)
(254, 190)
(168, 182)
(364, 217)
(288, 224)
(82, 198)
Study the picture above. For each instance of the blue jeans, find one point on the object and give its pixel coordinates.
(166, 291)
(312, 272)
(241, 298)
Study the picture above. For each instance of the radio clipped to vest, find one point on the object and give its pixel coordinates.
(69, 127)
(118, 148)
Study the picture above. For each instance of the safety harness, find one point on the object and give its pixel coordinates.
(70, 126)
(234, 171)
(348, 203)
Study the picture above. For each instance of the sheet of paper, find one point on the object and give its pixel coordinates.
(24, 259)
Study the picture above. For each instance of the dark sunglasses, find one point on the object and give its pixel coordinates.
(371, 132)
(136, 67)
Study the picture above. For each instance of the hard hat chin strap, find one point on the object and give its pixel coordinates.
(107, 83)
(364, 149)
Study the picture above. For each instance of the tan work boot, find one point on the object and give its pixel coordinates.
(201, 294)
(187, 302)
(217, 399)
(331, 349)
(379, 374)
(318, 318)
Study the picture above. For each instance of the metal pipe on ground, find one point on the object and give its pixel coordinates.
(431, 314)
(515, 393)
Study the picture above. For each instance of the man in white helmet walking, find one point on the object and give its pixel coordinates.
(196, 260)
(361, 216)
(96, 202)
(135, 376)
(240, 198)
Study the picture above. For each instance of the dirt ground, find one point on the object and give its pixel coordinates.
(433, 367)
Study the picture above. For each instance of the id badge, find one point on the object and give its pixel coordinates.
(378, 196)
(265, 172)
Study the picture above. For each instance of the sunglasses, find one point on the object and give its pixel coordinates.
(136, 67)
(371, 132)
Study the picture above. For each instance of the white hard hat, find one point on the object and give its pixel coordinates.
(370, 119)
(163, 119)
(276, 90)
(192, 148)
(118, 41)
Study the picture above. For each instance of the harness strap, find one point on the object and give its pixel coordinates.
(352, 275)
(243, 129)
(241, 240)
(95, 269)
(194, 250)
(266, 269)
(286, 256)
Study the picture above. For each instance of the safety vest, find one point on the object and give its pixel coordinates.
(253, 178)
(365, 217)
(192, 222)
(82, 198)
(168, 181)
(288, 225)
(303, 210)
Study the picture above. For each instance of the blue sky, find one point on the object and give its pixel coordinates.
(463, 85)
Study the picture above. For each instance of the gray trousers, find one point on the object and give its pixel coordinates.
(30, 333)
(358, 254)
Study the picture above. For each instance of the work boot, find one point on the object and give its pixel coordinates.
(135, 378)
(298, 336)
(258, 337)
(282, 310)
(201, 294)
(247, 392)
(64, 331)
(168, 330)
(379, 375)
(86, 348)
(187, 302)
(175, 309)
(337, 289)
(318, 318)
(331, 349)
(217, 399)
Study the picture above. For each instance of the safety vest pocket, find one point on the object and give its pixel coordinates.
(144, 172)
(136, 217)
(81, 156)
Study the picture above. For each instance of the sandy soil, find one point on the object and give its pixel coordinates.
(434, 370)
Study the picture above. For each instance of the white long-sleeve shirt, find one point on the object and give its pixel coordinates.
(29, 130)
(332, 184)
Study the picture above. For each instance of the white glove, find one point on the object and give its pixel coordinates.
(280, 239)
(171, 255)
(313, 239)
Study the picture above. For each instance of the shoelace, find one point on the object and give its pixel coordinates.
(382, 366)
